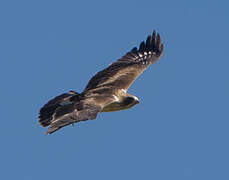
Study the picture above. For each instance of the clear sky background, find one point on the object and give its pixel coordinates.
(180, 130)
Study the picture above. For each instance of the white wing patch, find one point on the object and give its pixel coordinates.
(123, 90)
(115, 97)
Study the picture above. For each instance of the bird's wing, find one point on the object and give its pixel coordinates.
(122, 73)
(78, 110)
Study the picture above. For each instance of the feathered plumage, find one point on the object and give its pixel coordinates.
(105, 92)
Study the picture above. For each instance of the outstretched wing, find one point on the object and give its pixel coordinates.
(71, 108)
(70, 115)
(122, 73)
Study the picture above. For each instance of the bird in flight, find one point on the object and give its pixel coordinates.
(105, 92)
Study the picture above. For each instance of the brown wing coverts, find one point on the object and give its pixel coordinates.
(123, 72)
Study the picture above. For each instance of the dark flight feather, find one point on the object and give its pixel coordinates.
(72, 117)
(47, 111)
(68, 109)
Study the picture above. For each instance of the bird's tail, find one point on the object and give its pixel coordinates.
(58, 106)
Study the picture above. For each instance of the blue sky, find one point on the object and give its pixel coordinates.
(178, 131)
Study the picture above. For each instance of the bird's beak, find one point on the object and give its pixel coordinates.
(136, 100)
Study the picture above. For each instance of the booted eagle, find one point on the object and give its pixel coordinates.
(105, 92)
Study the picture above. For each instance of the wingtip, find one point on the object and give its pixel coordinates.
(142, 47)
(134, 50)
(158, 41)
(148, 43)
(152, 43)
(154, 32)
(162, 48)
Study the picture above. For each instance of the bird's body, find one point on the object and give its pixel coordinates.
(124, 101)
(105, 92)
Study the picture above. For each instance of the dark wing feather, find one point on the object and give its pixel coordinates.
(80, 110)
(47, 111)
(122, 73)
(74, 116)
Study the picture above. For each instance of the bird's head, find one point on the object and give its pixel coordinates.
(130, 101)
